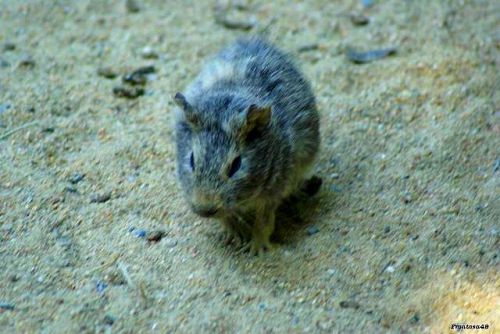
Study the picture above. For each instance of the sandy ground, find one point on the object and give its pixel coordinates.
(403, 236)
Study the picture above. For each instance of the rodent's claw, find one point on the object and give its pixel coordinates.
(229, 237)
(236, 237)
(259, 246)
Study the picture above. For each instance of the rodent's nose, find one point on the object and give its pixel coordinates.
(205, 211)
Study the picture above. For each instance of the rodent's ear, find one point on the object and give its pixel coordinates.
(256, 119)
(188, 110)
(258, 116)
(181, 101)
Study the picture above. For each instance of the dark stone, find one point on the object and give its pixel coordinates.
(359, 19)
(76, 178)
(109, 319)
(106, 72)
(8, 46)
(27, 61)
(100, 198)
(362, 57)
(312, 230)
(128, 92)
(132, 6)
(139, 76)
(155, 236)
(349, 304)
(6, 306)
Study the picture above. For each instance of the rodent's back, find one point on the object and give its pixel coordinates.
(269, 73)
(252, 67)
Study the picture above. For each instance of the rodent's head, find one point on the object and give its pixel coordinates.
(219, 151)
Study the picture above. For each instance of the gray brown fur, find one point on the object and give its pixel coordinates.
(251, 102)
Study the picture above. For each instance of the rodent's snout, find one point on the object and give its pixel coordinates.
(205, 203)
(205, 211)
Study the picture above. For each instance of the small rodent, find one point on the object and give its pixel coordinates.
(247, 133)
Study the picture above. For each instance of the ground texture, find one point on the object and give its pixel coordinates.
(403, 235)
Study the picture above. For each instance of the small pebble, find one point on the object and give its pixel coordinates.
(480, 207)
(140, 233)
(4, 107)
(100, 287)
(71, 189)
(344, 249)
(128, 92)
(48, 129)
(7, 228)
(139, 76)
(76, 177)
(100, 198)
(8, 46)
(235, 24)
(14, 278)
(107, 72)
(359, 19)
(387, 229)
(221, 18)
(109, 319)
(496, 166)
(335, 188)
(170, 243)
(26, 61)
(132, 6)
(390, 269)
(148, 53)
(367, 3)
(349, 304)
(415, 319)
(362, 57)
(334, 175)
(135, 80)
(312, 230)
(407, 199)
(155, 236)
(64, 242)
(6, 306)
(308, 47)
(115, 277)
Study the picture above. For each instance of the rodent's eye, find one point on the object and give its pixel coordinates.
(235, 166)
(191, 161)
